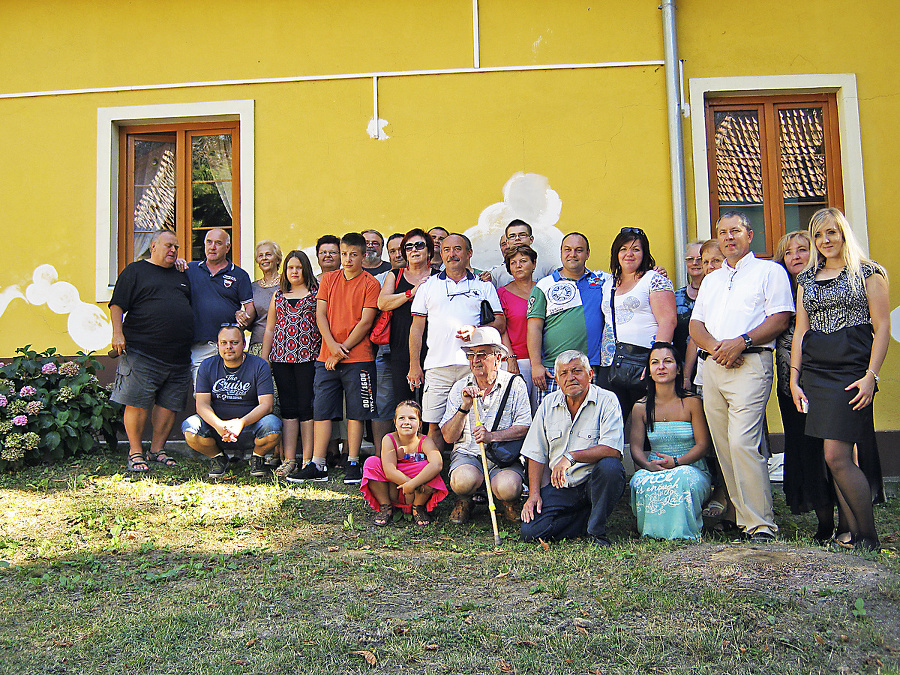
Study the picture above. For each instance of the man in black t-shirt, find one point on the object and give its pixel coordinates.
(153, 327)
(234, 394)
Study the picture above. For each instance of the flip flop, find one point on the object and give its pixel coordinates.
(713, 506)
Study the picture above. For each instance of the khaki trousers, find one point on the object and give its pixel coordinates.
(735, 404)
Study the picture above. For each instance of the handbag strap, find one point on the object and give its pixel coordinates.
(503, 401)
(612, 308)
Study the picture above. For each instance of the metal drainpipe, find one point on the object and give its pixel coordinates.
(676, 139)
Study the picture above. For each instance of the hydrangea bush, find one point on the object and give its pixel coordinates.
(52, 408)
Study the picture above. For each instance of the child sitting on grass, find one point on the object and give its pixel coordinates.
(407, 476)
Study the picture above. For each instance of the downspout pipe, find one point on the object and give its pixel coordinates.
(676, 139)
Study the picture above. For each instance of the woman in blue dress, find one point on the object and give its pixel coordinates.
(672, 481)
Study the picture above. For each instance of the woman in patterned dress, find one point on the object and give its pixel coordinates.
(291, 346)
(840, 341)
(672, 481)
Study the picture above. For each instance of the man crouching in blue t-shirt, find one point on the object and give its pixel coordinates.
(234, 396)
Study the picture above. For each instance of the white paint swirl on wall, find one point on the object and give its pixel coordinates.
(87, 325)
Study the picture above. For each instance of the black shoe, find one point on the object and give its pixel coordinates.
(762, 538)
(353, 473)
(310, 472)
(258, 468)
(218, 465)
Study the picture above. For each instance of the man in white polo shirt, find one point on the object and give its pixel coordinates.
(451, 302)
(740, 310)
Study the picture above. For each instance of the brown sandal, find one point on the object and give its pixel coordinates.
(285, 468)
(385, 515)
(420, 516)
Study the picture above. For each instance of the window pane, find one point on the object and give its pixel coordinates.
(739, 169)
(154, 192)
(803, 176)
(210, 188)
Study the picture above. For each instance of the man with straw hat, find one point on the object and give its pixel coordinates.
(491, 390)
(574, 452)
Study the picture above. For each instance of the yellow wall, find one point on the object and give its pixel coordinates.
(599, 135)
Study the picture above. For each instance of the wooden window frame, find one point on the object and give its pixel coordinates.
(183, 134)
(767, 107)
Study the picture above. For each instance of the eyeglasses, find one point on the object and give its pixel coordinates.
(631, 230)
(693, 259)
(414, 246)
(231, 325)
(478, 356)
(517, 235)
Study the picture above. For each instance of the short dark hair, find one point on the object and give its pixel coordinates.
(626, 236)
(525, 250)
(327, 239)
(576, 234)
(354, 239)
(394, 236)
(518, 222)
(464, 238)
(438, 227)
(418, 232)
(231, 326)
(380, 236)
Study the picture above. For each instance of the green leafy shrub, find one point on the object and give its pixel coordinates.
(52, 408)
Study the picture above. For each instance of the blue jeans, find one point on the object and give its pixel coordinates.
(268, 425)
(582, 510)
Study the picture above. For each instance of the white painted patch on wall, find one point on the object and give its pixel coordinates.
(536, 44)
(895, 324)
(529, 197)
(87, 325)
(376, 129)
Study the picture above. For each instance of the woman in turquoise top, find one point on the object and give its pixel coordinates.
(672, 481)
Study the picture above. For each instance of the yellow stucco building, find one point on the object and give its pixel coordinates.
(339, 116)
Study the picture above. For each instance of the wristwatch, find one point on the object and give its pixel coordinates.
(748, 341)
(568, 456)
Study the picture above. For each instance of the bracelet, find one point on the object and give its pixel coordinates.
(408, 293)
(874, 374)
(464, 412)
(795, 368)
(675, 459)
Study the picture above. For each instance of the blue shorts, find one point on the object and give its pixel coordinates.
(268, 425)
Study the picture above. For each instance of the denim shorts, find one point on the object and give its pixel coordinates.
(268, 425)
(142, 381)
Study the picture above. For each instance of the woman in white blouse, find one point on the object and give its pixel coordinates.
(644, 308)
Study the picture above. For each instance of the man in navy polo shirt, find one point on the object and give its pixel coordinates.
(219, 289)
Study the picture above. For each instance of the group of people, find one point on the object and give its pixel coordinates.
(528, 381)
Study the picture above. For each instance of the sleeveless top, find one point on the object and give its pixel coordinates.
(296, 338)
(837, 303)
(401, 322)
(417, 456)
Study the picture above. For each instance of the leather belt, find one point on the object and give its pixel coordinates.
(750, 350)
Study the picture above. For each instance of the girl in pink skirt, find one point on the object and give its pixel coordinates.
(407, 476)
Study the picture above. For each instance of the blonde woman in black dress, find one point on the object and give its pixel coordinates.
(840, 342)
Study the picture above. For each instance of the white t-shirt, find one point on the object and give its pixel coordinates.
(635, 322)
(449, 306)
(735, 300)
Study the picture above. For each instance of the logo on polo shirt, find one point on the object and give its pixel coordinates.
(227, 280)
(561, 293)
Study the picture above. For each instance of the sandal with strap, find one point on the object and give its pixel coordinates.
(160, 458)
(137, 463)
(385, 516)
(420, 516)
(285, 468)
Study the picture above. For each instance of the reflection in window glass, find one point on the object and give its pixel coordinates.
(154, 192)
(211, 188)
(803, 175)
(739, 169)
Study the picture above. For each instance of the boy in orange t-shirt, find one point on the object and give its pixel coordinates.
(346, 305)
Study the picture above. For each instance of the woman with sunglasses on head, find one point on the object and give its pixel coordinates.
(397, 292)
(672, 481)
(840, 341)
(643, 313)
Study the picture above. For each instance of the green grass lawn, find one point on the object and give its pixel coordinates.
(102, 573)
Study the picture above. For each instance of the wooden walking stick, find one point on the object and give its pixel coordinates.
(487, 480)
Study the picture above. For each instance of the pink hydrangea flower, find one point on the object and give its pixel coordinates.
(3, 401)
(20, 420)
(27, 390)
(69, 369)
(48, 368)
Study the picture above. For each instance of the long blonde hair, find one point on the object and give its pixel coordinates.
(851, 252)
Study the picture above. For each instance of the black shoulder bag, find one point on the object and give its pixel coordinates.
(504, 453)
(629, 361)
